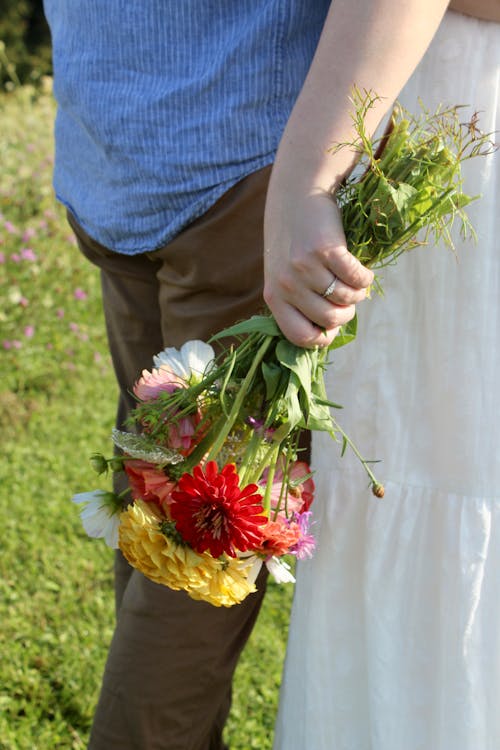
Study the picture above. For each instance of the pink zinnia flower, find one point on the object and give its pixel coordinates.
(182, 433)
(299, 496)
(149, 483)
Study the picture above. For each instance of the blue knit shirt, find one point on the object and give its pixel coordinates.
(165, 104)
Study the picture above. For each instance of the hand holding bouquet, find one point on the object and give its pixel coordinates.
(213, 460)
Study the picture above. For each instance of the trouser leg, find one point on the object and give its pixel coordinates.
(168, 676)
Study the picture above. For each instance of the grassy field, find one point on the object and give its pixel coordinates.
(57, 398)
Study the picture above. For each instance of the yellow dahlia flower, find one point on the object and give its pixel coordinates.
(221, 581)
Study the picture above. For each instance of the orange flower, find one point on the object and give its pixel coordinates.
(149, 483)
(279, 537)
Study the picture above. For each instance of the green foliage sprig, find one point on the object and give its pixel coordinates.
(411, 189)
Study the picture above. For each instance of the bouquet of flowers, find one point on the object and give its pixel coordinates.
(217, 481)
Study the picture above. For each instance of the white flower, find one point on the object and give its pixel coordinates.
(280, 570)
(254, 565)
(190, 362)
(100, 515)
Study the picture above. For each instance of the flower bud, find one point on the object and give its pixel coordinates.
(378, 490)
(116, 463)
(99, 463)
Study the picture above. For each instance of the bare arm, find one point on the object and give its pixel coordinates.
(488, 10)
(375, 44)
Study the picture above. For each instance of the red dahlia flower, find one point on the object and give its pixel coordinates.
(212, 513)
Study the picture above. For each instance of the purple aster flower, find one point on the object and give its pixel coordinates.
(306, 545)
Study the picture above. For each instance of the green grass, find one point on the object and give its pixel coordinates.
(57, 399)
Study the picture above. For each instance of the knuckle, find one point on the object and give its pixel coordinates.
(339, 315)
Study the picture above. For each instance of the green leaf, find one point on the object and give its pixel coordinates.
(344, 446)
(272, 374)
(264, 324)
(326, 402)
(346, 334)
(302, 366)
(291, 398)
(319, 417)
(296, 359)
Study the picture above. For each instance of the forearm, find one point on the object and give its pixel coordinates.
(373, 44)
(488, 10)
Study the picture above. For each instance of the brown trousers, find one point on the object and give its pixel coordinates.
(167, 682)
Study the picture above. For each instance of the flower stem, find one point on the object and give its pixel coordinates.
(238, 401)
(347, 441)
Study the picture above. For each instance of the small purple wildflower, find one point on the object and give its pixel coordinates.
(257, 424)
(80, 293)
(15, 257)
(2, 258)
(74, 327)
(60, 312)
(29, 331)
(306, 545)
(28, 254)
(28, 234)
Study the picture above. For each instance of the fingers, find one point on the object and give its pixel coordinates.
(340, 293)
(346, 267)
(301, 331)
(305, 252)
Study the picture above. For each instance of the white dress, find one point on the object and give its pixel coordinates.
(395, 632)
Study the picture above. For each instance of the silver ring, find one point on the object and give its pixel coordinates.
(330, 288)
